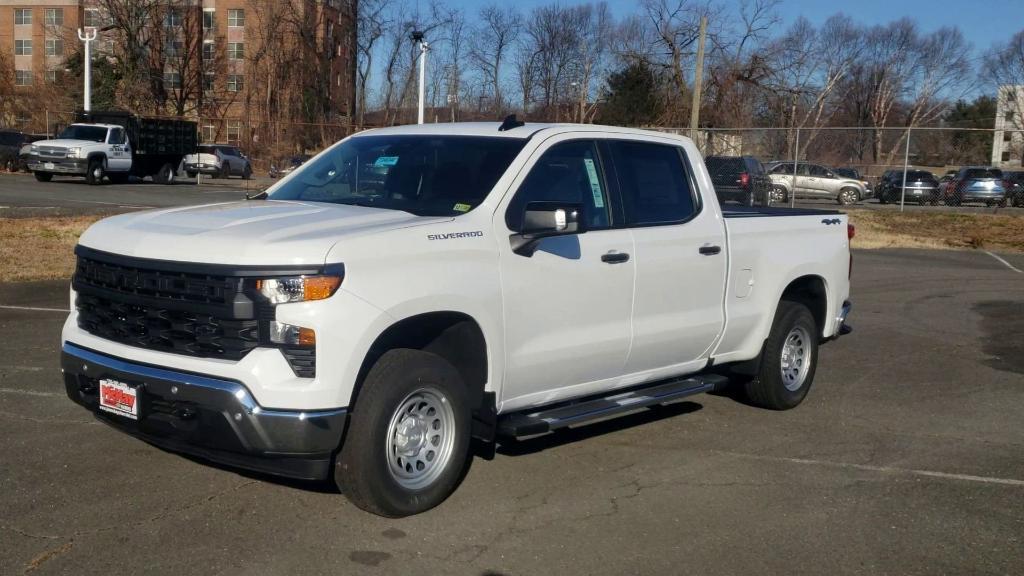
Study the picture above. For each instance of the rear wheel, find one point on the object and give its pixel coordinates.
(788, 361)
(848, 196)
(225, 170)
(43, 176)
(165, 175)
(248, 172)
(408, 441)
(779, 195)
(95, 172)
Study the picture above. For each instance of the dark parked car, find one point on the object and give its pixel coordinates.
(976, 184)
(1013, 182)
(739, 179)
(278, 169)
(922, 187)
(11, 142)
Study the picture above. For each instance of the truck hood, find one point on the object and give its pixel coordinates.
(65, 143)
(252, 232)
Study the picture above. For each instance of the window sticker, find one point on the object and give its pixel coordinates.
(460, 207)
(595, 183)
(386, 161)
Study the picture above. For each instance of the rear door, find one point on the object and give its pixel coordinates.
(680, 258)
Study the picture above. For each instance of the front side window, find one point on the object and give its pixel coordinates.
(426, 175)
(116, 136)
(654, 183)
(569, 172)
(819, 171)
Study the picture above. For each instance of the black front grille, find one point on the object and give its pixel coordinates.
(181, 286)
(177, 331)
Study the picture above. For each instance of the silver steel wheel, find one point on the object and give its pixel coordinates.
(421, 436)
(778, 195)
(796, 358)
(848, 196)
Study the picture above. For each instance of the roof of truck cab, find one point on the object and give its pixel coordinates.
(491, 129)
(97, 124)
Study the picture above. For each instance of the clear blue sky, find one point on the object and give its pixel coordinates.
(982, 21)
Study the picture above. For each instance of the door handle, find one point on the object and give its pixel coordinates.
(615, 257)
(709, 250)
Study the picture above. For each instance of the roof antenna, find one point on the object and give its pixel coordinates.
(510, 123)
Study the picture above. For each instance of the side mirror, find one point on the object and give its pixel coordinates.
(544, 220)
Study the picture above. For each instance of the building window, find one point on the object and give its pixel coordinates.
(1009, 116)
(234, 130)
(236, 50)
(208, 133)
(23, 16)
(208, 80)
(235, 83)
(1007, 136)
(236, 18)
(172, 80)
(91, 18)
(22, 77)
(175, 48)
(172, 19)
(208, 50)
(1006, 156)
(53, 17)
(22, 47)
(53, 76)
(54, 47)
(209, 19)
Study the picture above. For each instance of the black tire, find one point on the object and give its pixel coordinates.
(769, 388)
(779, 195)
(848, 196)
(881, 197)
(94, 173)
(43, 176)
(118, 177)
(165, 175)
(361, 473)
(248, 172)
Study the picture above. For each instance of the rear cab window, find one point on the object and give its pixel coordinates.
(654, 183)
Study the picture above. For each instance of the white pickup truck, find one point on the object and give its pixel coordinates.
(414, 287)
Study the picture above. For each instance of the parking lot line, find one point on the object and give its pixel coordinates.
(34, 308)
(1008, 265)
(883, 469)
(28, 392)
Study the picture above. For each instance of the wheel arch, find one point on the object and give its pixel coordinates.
(810, 290)
(455, 336)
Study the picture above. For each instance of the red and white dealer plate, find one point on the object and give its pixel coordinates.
(119, 398)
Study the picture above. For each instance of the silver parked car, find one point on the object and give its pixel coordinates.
(976, 184)
(814, 181)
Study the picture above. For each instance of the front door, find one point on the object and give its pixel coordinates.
(567, 307)
(119, 153)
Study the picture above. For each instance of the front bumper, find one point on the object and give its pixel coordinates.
(210, 418)
(57, 166)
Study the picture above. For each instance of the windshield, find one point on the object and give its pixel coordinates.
(423, 175)
(79, 132)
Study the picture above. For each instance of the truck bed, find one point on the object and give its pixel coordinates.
(753, 211)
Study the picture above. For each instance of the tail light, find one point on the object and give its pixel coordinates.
(851, 231)
(744, 180)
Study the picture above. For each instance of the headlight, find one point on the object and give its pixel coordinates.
(34, 148)
(74, 152)
(298, 288)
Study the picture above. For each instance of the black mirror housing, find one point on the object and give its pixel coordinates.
(544, 220)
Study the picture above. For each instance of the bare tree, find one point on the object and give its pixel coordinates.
(497, 32)
(372, 22)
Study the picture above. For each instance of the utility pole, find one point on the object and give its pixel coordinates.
(87, 38)
(417, 36)
(698, 79)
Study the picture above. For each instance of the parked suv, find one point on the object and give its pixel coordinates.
(856, 175)
(814, 181)
(976, 184)
(739, 179)
(1013, 182)
(922, 187)
(219, 161)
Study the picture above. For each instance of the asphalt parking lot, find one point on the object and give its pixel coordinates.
(907, 458)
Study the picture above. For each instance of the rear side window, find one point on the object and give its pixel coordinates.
(724, 165)
(566, 172)
(654, 184)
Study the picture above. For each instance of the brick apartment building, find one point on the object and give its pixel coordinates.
(216, 58)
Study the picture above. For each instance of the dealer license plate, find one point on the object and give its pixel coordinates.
(48, 165)
(119, 398)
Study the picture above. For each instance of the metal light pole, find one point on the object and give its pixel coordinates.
(87, 69)
(417, 36)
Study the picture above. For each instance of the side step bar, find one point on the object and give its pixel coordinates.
(540, 421)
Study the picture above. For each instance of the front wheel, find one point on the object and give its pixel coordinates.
(95, 172)
(408, 441)
(848, 196)
(779, 195)
(788, 361)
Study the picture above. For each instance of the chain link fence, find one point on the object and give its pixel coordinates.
(849, 166)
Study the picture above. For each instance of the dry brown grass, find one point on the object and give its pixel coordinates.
(39, 248)
(42, 248)
(944, 230)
